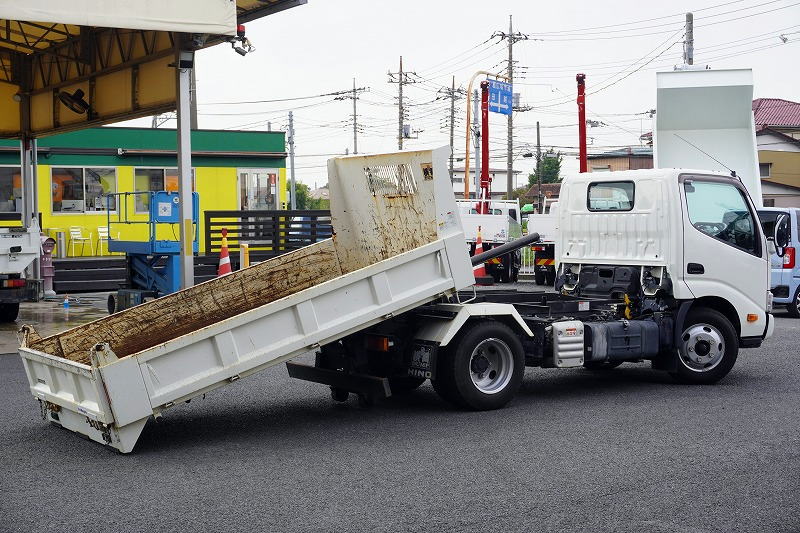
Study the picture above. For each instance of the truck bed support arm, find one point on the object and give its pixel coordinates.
(505, 248)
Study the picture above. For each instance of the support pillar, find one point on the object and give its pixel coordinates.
(184, 66)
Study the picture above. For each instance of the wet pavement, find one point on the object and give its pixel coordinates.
(49, 317)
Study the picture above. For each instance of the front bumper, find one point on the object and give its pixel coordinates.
(770, 329)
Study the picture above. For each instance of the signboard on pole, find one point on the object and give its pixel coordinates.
(500, 97)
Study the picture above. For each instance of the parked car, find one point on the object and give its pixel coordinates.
(785, 278)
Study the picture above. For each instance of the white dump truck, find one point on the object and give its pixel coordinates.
(388, 302)
(19, 247)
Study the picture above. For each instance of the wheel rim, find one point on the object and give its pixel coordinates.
(703, 347)
(491, 365)
(797, 301)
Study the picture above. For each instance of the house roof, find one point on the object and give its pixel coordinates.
(549, 190)
(628, 151)
(775, 112)
(769, 131)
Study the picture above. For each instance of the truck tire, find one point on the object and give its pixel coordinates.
(539, 277)
(708, 348)
(482, 368)
(794, 307)
(550, 277)
(9, 312)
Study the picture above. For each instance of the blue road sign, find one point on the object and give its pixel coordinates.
(500, 97)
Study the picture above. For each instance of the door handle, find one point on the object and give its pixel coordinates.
(695, 268)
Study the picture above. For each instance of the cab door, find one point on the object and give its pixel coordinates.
(724, 248)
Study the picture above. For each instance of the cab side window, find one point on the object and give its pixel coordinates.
(720, 211)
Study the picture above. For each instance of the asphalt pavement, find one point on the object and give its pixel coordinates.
(623, 451)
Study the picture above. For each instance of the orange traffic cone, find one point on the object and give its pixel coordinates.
(481, 277)
(224, 258)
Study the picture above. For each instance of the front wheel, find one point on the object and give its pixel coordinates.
(482, 368)
(794, 306)
(708, 347)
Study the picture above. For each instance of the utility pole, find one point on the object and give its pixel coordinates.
(452, 122)
(354, 96)
(355, 119)
(688, 46)
(539, 168)
(512, 38)
(453, 94)
(400, 78)
(292, 204)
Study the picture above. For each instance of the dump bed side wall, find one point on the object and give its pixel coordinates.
(171, 316)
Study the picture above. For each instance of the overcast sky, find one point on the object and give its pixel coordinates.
(320, 47)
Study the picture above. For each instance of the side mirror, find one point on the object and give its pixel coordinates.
(781, 233)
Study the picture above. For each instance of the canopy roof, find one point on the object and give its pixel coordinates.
(118, 53)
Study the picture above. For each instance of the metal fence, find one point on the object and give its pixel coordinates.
(267, 233)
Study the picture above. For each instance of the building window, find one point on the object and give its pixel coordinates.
(10, 189)
(82, 190)
(153, 180)
(764, 169)
(604, 168)
(99, 183)
(769, 202)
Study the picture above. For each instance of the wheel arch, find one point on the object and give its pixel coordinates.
(443, 331)
(722, 306)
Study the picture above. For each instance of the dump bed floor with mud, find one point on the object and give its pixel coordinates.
(177, 314)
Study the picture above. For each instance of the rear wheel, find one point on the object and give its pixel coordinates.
(9, 312)
(708, 347)
(794, 306)
(550, 277)
(539, 277)
(112, 304)
(482, 368)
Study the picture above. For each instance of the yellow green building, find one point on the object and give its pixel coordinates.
(232, 170)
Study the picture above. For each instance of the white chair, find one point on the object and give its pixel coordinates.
(76, 236)
(102, 235)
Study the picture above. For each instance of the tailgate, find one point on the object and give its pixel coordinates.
(109, 405)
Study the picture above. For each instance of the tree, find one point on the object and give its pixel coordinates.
(551, 168)
(302, 198)
(519, 192)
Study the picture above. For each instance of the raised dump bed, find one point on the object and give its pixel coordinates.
(397, 244)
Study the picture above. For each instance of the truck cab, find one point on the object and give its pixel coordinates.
(687, 239)
(785, 270)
